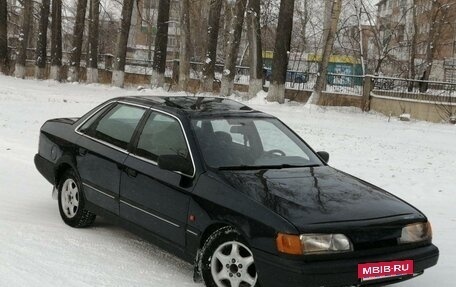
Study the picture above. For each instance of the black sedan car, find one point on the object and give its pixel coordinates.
(232, 190)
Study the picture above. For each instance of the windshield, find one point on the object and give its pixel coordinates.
(242, 143)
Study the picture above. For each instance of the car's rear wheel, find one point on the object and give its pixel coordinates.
(71, 202)
(227, 261)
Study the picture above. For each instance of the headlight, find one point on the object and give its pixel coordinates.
(313, 243)
(416, 232)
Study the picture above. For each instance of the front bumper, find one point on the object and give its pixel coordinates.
(277, 271)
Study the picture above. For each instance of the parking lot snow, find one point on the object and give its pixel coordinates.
(414, 160)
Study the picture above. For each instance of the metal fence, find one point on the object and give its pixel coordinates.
(298, 80)
(415, 89)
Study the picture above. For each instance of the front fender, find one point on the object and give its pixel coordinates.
(214, 203)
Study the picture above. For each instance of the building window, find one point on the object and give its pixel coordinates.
(403, 4)
(150, 4)
(172, 41)
(400, 33)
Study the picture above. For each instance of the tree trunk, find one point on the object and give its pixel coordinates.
(328, 43)
(56, 40)
(41, 45)
(437, 21)
(255, 48)
(362, 51)
(211, 45)
(78, 33)
(161, 45)
(19, 70)
(92, 65)
(235, 24)
(184, 54)
(3, 37)
(282, 48)
(412, 68)
(118, 74)
(149, 38)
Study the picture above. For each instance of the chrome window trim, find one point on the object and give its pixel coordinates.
(90, 116)
(151, 214)
(134, 155)
(76, 130)
(97, 190)
(186, 141)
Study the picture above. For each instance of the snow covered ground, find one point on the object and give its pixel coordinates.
(414, 160)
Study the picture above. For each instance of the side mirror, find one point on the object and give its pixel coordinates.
(175, 163)
(324, 156)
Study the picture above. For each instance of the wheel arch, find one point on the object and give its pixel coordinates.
(65, 163)
(211, 229)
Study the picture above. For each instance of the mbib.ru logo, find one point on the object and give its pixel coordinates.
(385, 269)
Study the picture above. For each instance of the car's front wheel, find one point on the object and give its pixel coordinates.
(227, 261)
(71, 202)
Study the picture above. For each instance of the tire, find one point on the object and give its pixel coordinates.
(227, 261)
(71, 202)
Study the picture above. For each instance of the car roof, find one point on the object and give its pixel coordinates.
(196, 106)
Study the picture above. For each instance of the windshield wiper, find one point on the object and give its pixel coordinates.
(272, 166)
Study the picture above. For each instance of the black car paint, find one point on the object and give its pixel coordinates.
(312, 196)
(258, 203)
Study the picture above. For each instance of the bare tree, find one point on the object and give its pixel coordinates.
(3, 37)
(300, 35)
(56, 40)
(148, 19)
(184, 55)
(329, 36)
(109, 28)
(438, 19)
(78, 32)
(385, 36)
(268, 23)
(211, 44)
(350, 35)
(41, 45)
(118, 74)
(413, 46)
(24, 35)
(199, 9)
(255, 47)
(94, 23)
(161, 44)
(235, 11)
(276, 91)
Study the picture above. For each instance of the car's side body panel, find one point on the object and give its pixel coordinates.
(99, 167)
(57, 145)
(155, 199)
(216, 202)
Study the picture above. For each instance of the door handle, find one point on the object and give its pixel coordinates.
(82, 151)
(131, 172)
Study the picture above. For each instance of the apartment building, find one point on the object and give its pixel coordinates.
(144, 28)
(436, 30)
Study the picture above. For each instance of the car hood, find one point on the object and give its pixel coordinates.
(318, 195)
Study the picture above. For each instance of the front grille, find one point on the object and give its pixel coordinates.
(375, 244)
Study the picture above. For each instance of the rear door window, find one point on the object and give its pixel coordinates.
(117, 126)
(86, 126)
